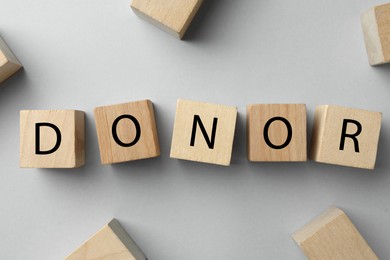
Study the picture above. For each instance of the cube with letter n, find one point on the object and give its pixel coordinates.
(203, 132)
(52, 138)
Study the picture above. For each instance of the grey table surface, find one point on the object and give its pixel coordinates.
(84, 54)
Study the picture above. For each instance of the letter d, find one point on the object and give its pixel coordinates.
(37, 138)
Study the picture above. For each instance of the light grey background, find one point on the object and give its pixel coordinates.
(83, 54)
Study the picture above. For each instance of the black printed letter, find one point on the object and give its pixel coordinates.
(352, 136)
(211, 142)
(37, 138)
(289, 132)
(137, 131)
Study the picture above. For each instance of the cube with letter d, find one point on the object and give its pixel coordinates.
(52, 138)
(203, 132)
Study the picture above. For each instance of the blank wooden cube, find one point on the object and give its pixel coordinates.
(9, 64)
(276, 133)
(203, 132)
(127, 132)
(345, 136)
(52, 138)
(111, 242)
(172, 16)
(333, 236)
(376, 29)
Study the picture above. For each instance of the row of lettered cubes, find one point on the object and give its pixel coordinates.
(202, 132)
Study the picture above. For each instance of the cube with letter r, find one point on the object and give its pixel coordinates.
(345, 136)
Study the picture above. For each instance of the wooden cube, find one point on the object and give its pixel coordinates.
(52, 138)
(276, 133)
(345, 136)
(376, 29)
(172, 16)
(127, 132)
(111, 242)
(9, 64)
(203, 132)
(333, 236)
